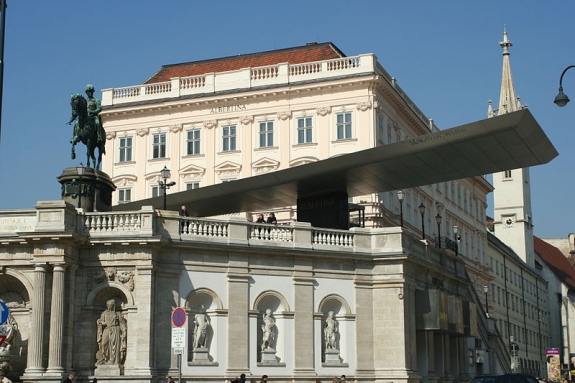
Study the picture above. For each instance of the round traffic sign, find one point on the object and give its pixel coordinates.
(179, 317)
(4, 312)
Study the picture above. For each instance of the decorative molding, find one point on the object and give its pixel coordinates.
(363, 106)
(176, 128)
(143, 132)
(246, 120)
(302, 161)
(284, 115)
(376, 105)
(265, 165)
(324, 110)
(111, 135)
(228, 169)
(210, 124)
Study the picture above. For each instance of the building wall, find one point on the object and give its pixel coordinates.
(142, 261)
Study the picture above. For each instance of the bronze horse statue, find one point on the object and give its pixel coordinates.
(85, 131)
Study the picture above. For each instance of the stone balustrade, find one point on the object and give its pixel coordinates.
(248, 78)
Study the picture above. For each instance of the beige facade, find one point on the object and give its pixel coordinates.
(281, 116)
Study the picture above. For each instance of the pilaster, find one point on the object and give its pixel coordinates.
(56, 322)
(238, 328)
(35, 354)
(303, 322)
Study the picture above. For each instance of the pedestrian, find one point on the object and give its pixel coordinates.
(242, 378)
(272, 219)
(169, 379)
(264, 379)
(4, 379)
(184, 223)
(69, 379)
(342, 379)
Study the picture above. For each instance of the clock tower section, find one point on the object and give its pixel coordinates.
(513, 219)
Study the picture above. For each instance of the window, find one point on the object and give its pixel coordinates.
(266, 134)
(193, 142)
(343, 126)
(304, 130)
(380, 129)
(156, 191)
(124, 195)
(507, 174)
(229, 138)
(159, 145)
(192, 185)
(125, 149)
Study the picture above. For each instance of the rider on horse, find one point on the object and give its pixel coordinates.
(93, 108)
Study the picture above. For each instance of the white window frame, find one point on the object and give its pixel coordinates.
(229, 138)
(305, 131)
(266, 134)
(193, 142)
(159, 145)
(344, 125)
(123, 193)
(155, 191)
(125, 149)
(192, 185)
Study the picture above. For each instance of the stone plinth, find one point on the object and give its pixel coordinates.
(91, 192)
(201, 356)
(108, 370)
(332, 357)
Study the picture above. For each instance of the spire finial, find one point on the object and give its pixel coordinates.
(505, 44)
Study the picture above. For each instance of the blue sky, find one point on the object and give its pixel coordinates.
(444, 54)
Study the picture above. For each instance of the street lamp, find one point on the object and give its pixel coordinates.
(80, 170)
(422, 211)
(400, 197)
(165, 173)
(456, 238)
(561, 99)
(486, 290)
(438, 220)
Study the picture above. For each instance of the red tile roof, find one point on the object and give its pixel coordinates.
(297, 55)
(556, 260)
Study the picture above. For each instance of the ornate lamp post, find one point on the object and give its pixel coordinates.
(80, 170)
(165, 173)
(561, 99)
(438, 220)
(400, 197)
(486, 290)
(456, 238)
(422, 211)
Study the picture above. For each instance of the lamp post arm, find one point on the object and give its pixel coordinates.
(563, 74)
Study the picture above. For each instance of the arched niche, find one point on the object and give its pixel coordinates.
(203, 297)
(335, 303)
(271, 300)
(109, 290)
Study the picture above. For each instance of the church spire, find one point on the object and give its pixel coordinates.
(508, 100)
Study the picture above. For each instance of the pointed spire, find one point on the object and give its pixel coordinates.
(508, 100)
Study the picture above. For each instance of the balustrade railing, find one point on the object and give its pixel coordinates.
(446, 243)
(111, 222)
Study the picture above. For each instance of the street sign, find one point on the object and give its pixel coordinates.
(179, 317)
(178, 337)
(2, 339)
(4, 312)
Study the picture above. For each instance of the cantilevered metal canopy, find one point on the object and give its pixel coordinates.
(511, 141)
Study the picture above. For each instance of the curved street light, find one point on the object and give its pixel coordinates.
(561, 99)
(422, 211)
(165, 174)
(400, 196)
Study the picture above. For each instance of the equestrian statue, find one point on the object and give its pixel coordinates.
(88, 127)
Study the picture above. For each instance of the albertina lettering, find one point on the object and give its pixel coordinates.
(228, 108)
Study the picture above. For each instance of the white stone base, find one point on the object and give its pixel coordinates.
(108, 370)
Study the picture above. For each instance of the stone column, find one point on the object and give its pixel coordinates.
(238, 325)
(303, 323)
(37, 328)
(56, 322)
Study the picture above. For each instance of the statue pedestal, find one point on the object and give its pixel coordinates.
(332, 357)
(92, 192)
(270, 359)
(108, 370)
(200, 355)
